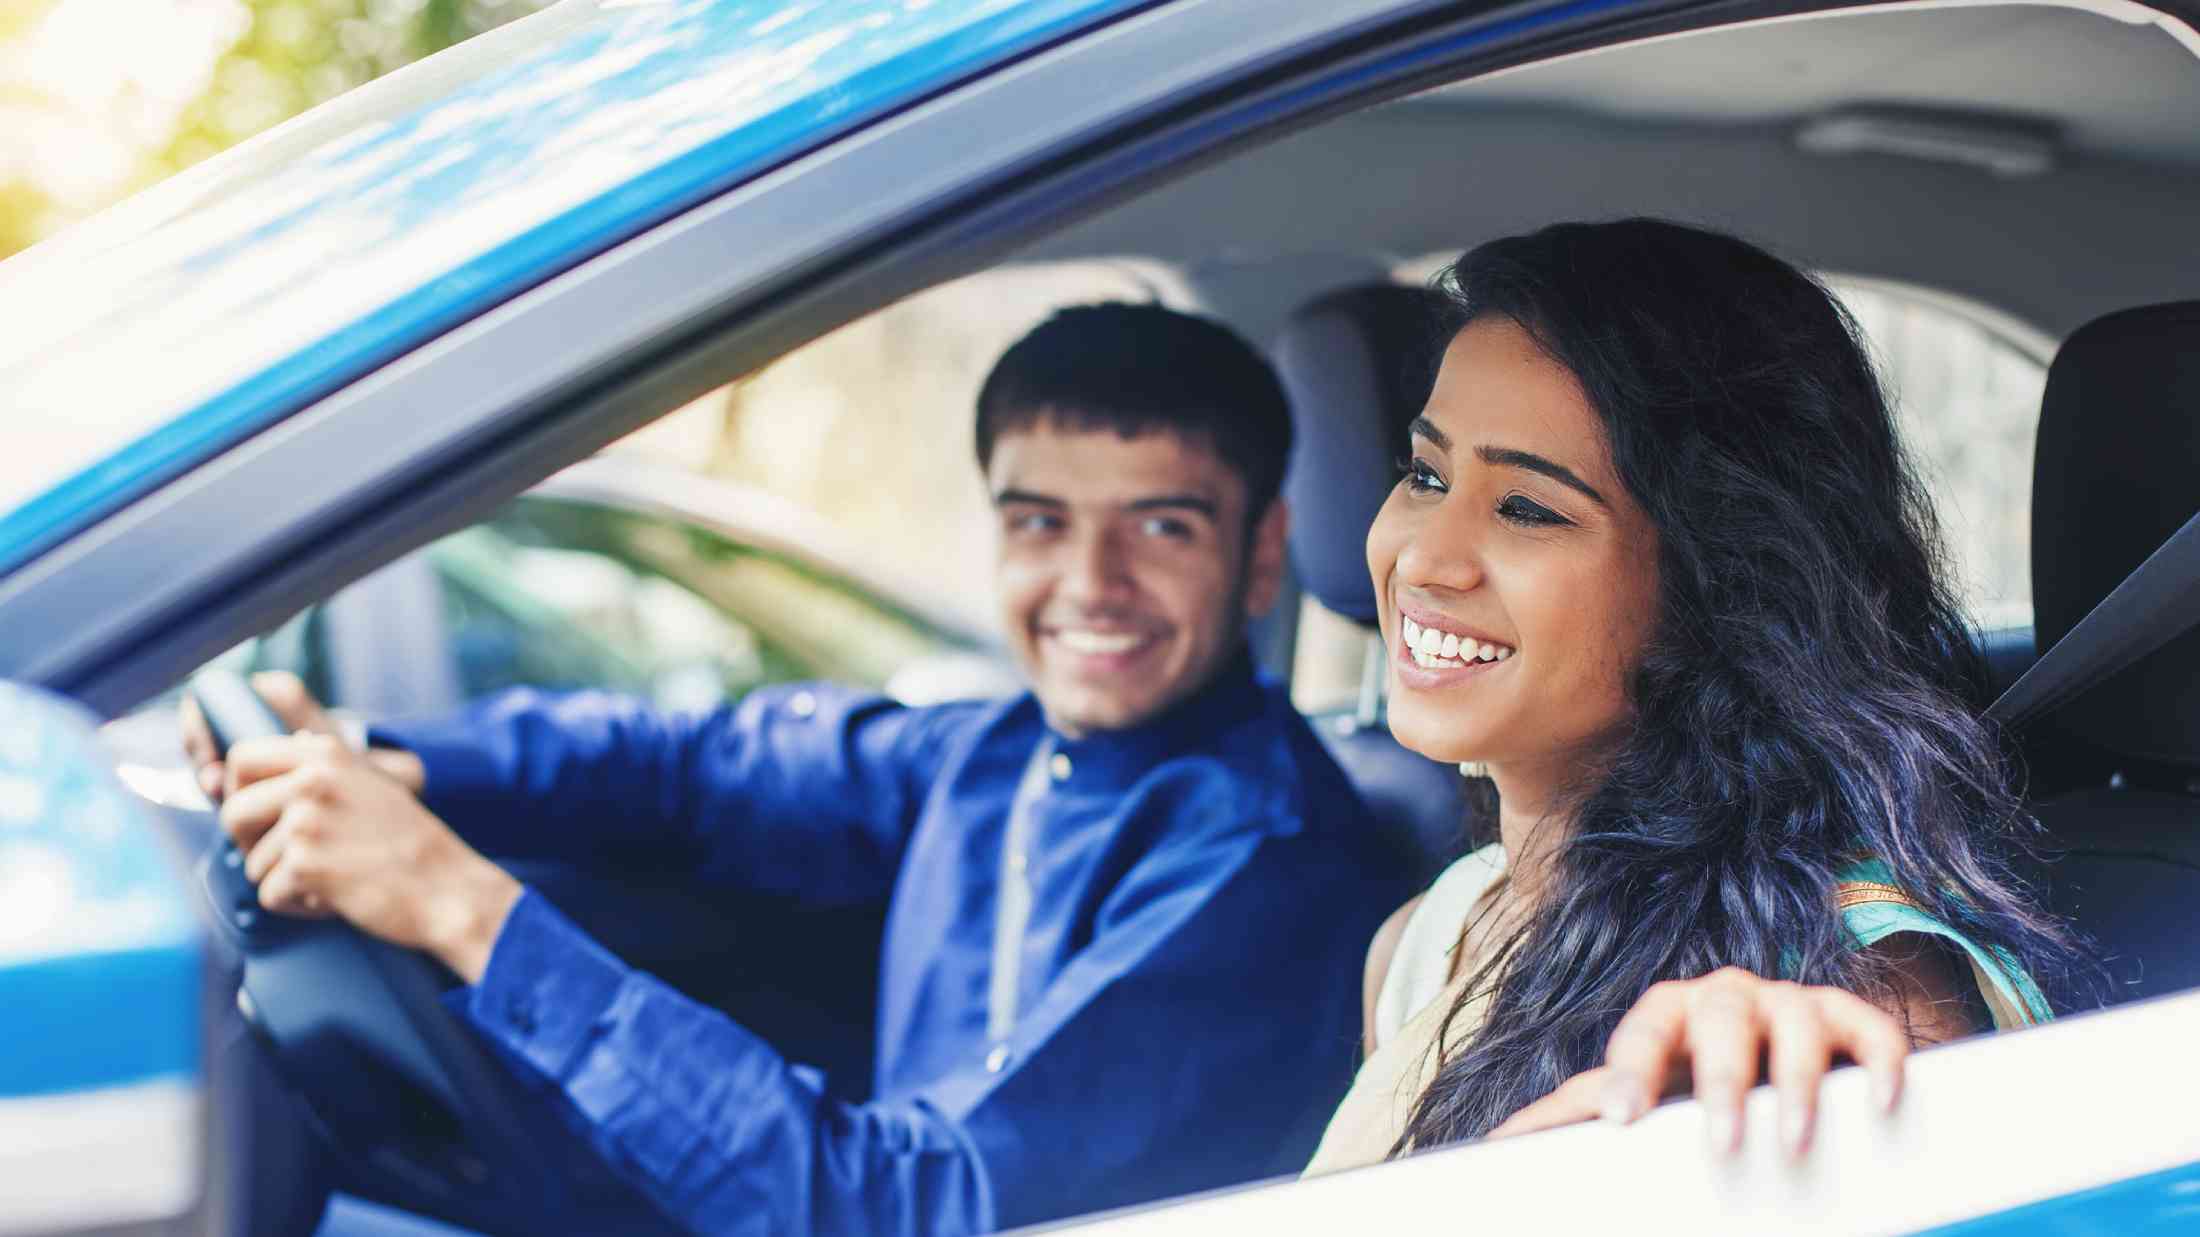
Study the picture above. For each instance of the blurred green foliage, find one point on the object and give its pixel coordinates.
(288, 56)
(297, 53)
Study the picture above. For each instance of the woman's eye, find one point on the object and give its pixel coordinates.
(1420, 477)
(1518, 509)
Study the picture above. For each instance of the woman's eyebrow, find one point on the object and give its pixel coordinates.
(1504, 457)
(1509, 457)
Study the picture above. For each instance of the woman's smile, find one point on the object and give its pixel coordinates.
(1435, 651)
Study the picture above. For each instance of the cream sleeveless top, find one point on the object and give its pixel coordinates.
(1410, 1008)
(1419, 990)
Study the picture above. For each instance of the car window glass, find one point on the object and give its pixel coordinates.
(701, 596)
(1966, 389)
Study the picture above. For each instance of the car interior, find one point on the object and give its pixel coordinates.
(2029, 168)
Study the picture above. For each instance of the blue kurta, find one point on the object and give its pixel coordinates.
(1184, 1006)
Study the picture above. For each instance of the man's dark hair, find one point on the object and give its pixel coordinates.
(1139, 369)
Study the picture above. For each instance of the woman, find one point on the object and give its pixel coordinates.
(1657, 564)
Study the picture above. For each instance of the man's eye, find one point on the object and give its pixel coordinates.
(1518, 509)
(1166, 526)
(1033, 523)
(1420, 476)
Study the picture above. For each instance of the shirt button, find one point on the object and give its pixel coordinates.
(522, 1012)
(996, 1060)
(1059, 767)
(804, 704)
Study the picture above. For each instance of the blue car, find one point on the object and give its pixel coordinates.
(372, 328)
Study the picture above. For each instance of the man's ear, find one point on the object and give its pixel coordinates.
(1266, 558)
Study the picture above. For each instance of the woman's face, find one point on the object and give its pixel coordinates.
(1516, 577)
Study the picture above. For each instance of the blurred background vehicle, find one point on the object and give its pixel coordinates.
(621, 574)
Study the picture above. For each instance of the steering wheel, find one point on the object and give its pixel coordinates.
(413, 1103)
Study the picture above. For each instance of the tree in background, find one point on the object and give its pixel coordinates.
(100, 98)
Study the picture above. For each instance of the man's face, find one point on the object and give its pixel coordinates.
(1125, 573)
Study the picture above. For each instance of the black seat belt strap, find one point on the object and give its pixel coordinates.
(2154, 605)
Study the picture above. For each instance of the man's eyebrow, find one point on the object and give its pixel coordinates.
(1176, 502)
(1504, 456)
(1027, 498)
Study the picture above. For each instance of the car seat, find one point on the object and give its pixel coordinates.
(2118, 471)
(1357, 365)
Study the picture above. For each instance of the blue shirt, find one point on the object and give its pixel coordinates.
(1185, 1007)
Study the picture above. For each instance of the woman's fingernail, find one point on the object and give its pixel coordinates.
(1883, 1093)
(1795, 1130)
(1719, 1128)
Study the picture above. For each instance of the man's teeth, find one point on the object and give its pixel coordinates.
(1099, 643)
(1435, 650)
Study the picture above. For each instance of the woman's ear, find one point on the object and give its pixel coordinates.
(1266, 557)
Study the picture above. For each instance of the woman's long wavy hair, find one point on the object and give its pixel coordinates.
(1805, 696)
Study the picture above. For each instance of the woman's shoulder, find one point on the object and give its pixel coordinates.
(1874, 908)
(1420, 962)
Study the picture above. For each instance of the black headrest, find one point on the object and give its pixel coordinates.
(2118, 471)
(1358, 365)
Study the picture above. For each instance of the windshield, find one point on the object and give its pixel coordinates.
(191, 316)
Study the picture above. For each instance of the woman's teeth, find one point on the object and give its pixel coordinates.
(1438, 650)
(1096, 643)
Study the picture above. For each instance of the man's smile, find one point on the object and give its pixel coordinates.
(1100, 649)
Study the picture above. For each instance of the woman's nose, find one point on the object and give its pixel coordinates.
(1439, 553)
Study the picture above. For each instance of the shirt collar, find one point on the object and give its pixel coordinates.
(1109, 759)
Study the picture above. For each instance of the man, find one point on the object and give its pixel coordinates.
(1127, 909)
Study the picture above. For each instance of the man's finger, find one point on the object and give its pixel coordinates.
(1642, 1050)
(286, 693)
(1869, 1034)
(1800, 1055)
(1725, 1040)
(257, 759)
(248, 812)
(280, 891)
(198, 740)
(267, 851)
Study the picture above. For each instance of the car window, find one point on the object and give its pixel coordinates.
(699, 594)
(1966, 386)
(563, 595)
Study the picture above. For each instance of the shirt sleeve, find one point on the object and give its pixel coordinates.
(1201, 1038)
(805, 790)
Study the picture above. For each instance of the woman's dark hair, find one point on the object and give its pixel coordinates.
(1803, 700)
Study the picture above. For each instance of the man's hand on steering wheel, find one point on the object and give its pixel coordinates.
(327, 831)
(286, 694)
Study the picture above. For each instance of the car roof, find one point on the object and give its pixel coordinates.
(1740, 125)
(201, 312)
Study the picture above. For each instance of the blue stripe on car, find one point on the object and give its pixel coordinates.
(2164, 1202)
